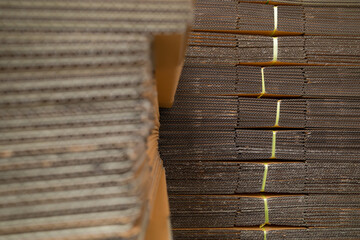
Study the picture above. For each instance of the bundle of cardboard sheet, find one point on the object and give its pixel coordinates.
(263, 139)
(74, 135)
(327, 3)
(319, 145)
(231, 49)
(306, 81)
(296, 17)
(78, 116)
(196, 211)
(270, 233)
(221, 177)
(137, 16)
(228, 112)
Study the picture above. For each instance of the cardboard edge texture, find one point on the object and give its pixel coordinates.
(159, 224)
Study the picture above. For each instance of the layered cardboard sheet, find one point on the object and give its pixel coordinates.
(297, 17)
(226, 211)
(262, 141)
(269, 233)
(79, 116)
(74, 138)
(271, 81)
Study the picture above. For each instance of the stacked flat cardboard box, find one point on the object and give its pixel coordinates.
(79, 117)
(263, 139)
(327, 3)
(239, 211)
(224, 48)
(340, 18)
(280, 233)
(74, 138)
(228, 112)
(306, 81)
(247, 177)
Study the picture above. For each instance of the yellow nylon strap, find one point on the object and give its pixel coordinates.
(275, 49)
(275, 20)
(277, 114)
(266, 211)
(273, 147)
(266, 167)
(262, 83)
(264, 230)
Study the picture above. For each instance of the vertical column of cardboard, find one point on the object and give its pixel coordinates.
(159, 224)
(169, 54)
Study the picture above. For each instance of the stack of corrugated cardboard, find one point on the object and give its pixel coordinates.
(79, 116)
(263, 139)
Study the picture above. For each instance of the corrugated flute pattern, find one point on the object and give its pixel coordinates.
(263, 139)
(228, 112)
(230, 49)
(78, 116)
(293, 16)
(73, 138)
(306, 81)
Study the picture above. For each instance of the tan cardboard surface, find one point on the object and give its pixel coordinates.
(159, 226)
(169, 51)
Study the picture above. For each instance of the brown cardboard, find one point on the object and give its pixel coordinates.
(159, 224)
(278, 63)
(272, 162)
(251, 195)
(169, 53)
(271, 3)
(267, 228)
(266, 95)
(263, 33)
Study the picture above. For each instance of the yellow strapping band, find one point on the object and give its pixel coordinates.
(275, 49)
(262, 83)
(277, 114)
(264, 230)
(273, 147)
(266, 211)
(275, 20)
(266, 167)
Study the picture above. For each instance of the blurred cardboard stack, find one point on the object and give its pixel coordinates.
(79, 117)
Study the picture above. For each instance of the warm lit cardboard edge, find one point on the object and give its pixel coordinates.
(169, 55)
(159, 223)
